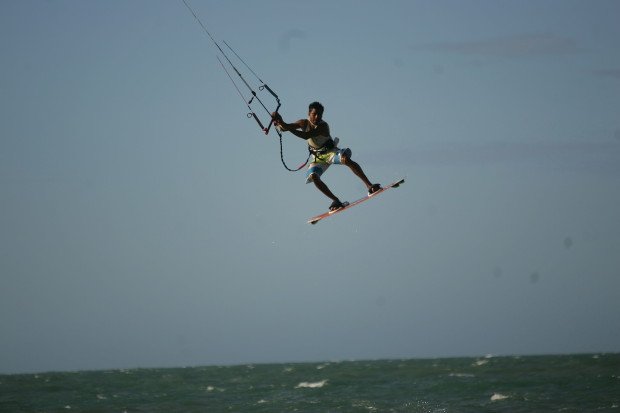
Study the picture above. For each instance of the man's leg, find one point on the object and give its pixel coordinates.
(357, 170)
(323, 188)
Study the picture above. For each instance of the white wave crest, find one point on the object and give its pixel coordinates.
(498, 396)
(462, 375)
(314, 385)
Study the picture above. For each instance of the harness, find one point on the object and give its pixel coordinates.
(327, 146)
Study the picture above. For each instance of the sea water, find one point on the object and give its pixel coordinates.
(566, 383)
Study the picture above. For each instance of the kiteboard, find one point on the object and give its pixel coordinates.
(348, 205)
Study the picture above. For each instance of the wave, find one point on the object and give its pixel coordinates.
(462, 375)
(498, 396)
(314, 385)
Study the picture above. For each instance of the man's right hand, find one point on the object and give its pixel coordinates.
(277, 118)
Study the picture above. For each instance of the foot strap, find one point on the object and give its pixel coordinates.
(336, 205)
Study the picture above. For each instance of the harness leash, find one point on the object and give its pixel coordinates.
(284, 163)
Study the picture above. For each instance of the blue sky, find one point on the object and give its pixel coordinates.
(147, 222)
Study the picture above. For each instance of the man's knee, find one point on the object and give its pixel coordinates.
(314, 177)
(345, 157)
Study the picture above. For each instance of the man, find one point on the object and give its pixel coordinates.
(324, 150)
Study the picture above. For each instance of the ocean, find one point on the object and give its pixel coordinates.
(564, 383)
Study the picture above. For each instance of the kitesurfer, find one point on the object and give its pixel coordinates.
(325, 152)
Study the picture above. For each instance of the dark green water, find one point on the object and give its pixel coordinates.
(569, 383)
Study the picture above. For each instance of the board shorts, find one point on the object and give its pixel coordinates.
(321, 162)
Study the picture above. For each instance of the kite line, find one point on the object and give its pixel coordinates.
(255, 97)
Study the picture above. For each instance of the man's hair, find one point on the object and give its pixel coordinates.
(318, 107)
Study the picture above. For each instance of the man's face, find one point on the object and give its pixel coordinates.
(313, 116)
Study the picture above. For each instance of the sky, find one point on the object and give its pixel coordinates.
(147, 222)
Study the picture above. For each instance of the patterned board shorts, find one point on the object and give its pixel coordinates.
(320, 163)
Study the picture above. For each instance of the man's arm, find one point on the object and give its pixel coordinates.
(294, 127)
(289, 127)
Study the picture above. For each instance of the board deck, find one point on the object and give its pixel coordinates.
(328, 214)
